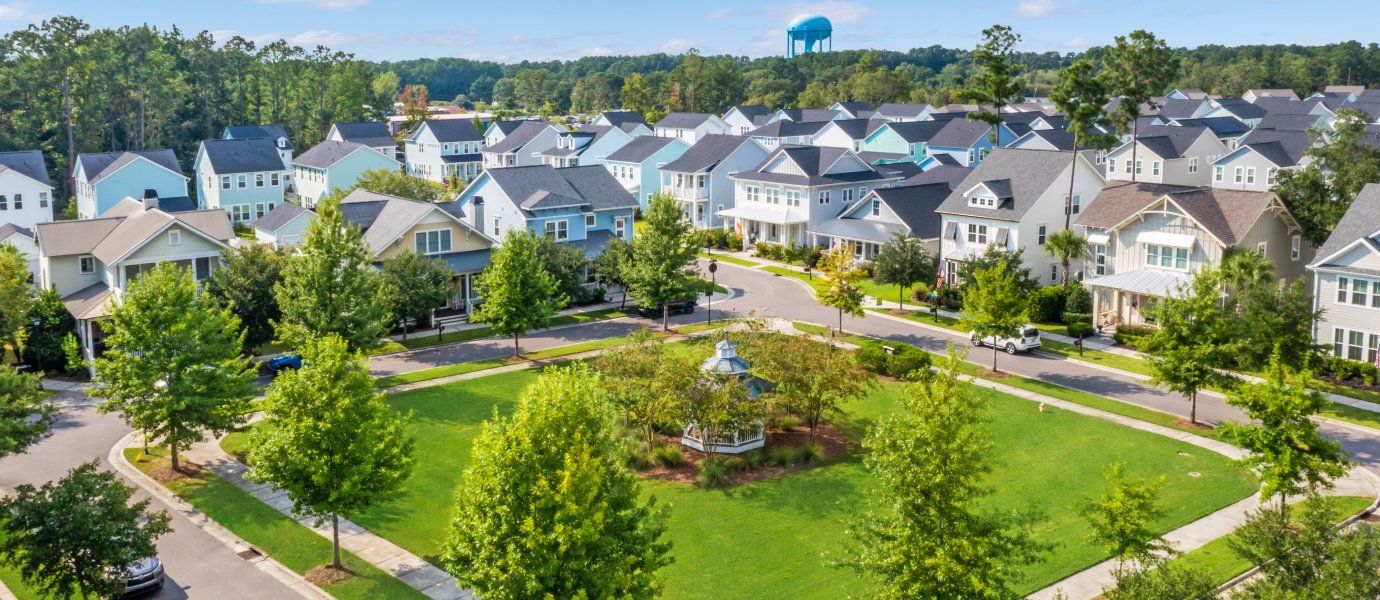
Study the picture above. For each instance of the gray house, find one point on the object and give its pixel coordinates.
(374, 134)
(1346, 284)
(521, 146)
(440, 148)
(699, 178)
(1258, 158)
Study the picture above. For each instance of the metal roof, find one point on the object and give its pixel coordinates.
(1151, 282)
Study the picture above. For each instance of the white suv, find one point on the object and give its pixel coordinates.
(1028, 341)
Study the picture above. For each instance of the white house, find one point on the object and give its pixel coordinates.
(897, 112)
(783, 132)
(630, 122)
(691, 127)
(284, 226)
(849, 134)
(440, 148)
(1166, 154)
(1346, 285)
(521, 145)
(744, 118)
(699, 178)
(853, 110)
(22, 239)
(26, 193)
(374, 134)
(868, 224)
(1015, 200)
(588, 145)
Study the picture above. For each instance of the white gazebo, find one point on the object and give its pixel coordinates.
(728, 366)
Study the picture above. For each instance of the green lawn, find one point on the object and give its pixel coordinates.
(1097, 357)
(774, 538)
(287, 541)
(1221, 564)
(870, 287)
(484, 331)
(11, 577)
(490, 363)
(732, 260)
(923, 315)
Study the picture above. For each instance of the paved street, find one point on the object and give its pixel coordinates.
(198, 565)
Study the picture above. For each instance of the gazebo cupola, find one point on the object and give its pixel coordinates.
(727, 366)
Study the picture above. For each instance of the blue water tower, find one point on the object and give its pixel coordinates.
(809, 33)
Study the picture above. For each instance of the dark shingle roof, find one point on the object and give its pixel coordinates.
(1060, 139)
(519, 137)
(914, 132)
(1284, 148)
(916, 205)
(1289, 122)
(1027, 173)
(895, 110)
(249, 132)
(1358, 222)
(1221, 126)
(858, 128)
(814, 163)
(374, 134)
(627, 120)
(752, 110)
(28, 163)
(99, 164)
(682, 120)
(706, 153)
(784, 128)
(1285, 106)
(856, 108)
(453, 130)
(242, 156)
(810, 114)
(1177, 108)
(326, 153)
(950, 175)
(640, 148)
(541, 186)
(9, 229)
(1241, 109)
(1226, 214)
(280, 215)
(1168, 141)
(960, 133)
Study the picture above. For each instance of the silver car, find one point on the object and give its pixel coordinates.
(145, 575)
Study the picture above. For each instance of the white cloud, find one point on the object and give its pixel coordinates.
(676, 46)
(442, 38)
(1079, 42)
(13, 11)
(719, 14)
(771, 41)
(598, 51)
(839, 12)
(326, 4)
(324, 37)
(1035, 8)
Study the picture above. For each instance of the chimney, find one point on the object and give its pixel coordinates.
(150, 198)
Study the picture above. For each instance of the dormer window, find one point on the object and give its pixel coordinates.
(876, 207)
(982, 201)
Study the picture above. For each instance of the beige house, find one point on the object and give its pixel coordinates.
(1148, 240)
(90, 262)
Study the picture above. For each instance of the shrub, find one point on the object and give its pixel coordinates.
(1046, 304)
(638, 459)
(907, 359)
(713, 472)
(1343, 369)
(1131, 335)
(874, 357)
(1079, 329)
(1070, 317)
(783, 421)
(1078, 299)
(770, 250)
(811, 452)
(668, 456)
(754, 458)
(811, 256)
(781, 456)
(723, 240)
(950, 297)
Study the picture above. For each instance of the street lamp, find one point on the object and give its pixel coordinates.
(713, 284)
(809, 272)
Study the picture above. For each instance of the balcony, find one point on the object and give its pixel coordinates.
(691, 194)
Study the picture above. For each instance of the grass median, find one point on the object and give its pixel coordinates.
(484, 331)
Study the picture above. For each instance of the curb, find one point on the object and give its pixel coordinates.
(267, 564)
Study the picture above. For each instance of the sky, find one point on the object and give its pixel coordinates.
(545, 29)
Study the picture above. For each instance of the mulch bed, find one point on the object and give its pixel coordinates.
(831, 439)
(1190, 425)
(185, 470)
(328, 575)
(1351, 382)
(990, 374)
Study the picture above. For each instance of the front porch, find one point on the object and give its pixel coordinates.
(1129, 298)
(761, 224)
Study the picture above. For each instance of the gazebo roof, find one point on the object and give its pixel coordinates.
(725, 360)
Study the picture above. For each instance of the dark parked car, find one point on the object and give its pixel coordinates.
(284, 361)
(146, 575)
(677, 307)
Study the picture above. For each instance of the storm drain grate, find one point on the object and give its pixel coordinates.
(250, 554)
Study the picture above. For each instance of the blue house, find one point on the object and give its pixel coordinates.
(637, 165)
(276, 133)
(331, 166)
(244, 178)
(103, 179)
(584, 206)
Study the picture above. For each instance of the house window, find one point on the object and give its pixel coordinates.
(1166, 257)
(847, 195)
(43, 199)
(699, 179)
(1111, 165)
(754, 193)
(258, 180)
(972, 156)
(1270, 176)
(239, 213)
(18, 201)
(1250, 175)
(1361, 290)
(558, 230)
(876, 207)
(1100, 259)
(1040, 237)
(174, 238)
(792, 197)
(434, 241)
(1295, 247)
(496, 229)
(1138, 165)
(619, 227)
(1054, 272)
(1355, 345)
(1261, 248)
(201, 268)
(1217, 174)
(241, 181)
(1128, 166)
(862, 191)
(824, 197)
(1192, 164)
(1154, 167)
(982, 201)
(773, 196)
(1076, 204)
(1239, 174)
(260, 209)
(589, 221)
(224, 182)
(4, 202)
(977, 234)
(88, 264)
(680, 180)
(273, 179)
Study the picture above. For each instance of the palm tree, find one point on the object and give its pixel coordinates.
(1244, 269)
(1067, 246)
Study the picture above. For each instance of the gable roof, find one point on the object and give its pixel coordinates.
(809, 114)
(856, 129)
(451, 130)
(111, 238)
(1060, 139)
(641, 148)
(9, 229)
(950, 174)
(855, 108)
(277, 133)
(1226, 214)
(1284, 148)
(1169, 141)
(627, 120)
(544, 186)
(916, 206)
(897, 110)
(98, 165)
(1289, 122)
(589, 133)
(682, 120)
(960, 133)
(707, 153)
(525, 132)
(383, 218)
(814, 163)
(750, 111)
(783, 128)
(327, 153)
(915, 132)
(242, 156)
(1240, 109)
(1021, 176)
(1220, 126)
(1273, 93)
(1180, 108)
(280, 215)
(1285, 105)
(28, 163)
(1359, 223)
(374, 134)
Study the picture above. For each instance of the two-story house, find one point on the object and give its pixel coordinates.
(521, 145)
(244, 178)
(796, 188)
(90, 262)
(1176, 155)
(26, 193)
(691, 127)
(1148, 239)
(442, 148)
(22, 239)
(374, 134)
(853, 110)
(1258, 158)
(1014, 200)
(280, 139)
(1227, 129)
(699, 178)
(967, 141)
(870, 223)
(849, 134)
(637, 165)
(630, 122)
(744, 118)
(103, 179)
(806, 114)
(902, 140)
(1346, 281)
(583, 206)
(332, 165)
(1244, 111)
(787, 133)
(1254, 94)
(390, 225)
(588, 145)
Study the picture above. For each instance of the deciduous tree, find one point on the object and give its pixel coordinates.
(1319, 193)
(547, 508)
(519, 294)
(902, 262)
(633, 374)
(25, 413)
(841, 275)
(1187, 351)
(243, 282)
(1121, 517)
(834, 377)
(330, 440)
(993, 306)
(16, 295)
(414, 285)
(48, 324)
(662, 270)
(611, 265)
(397, 183)
(172, 365)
